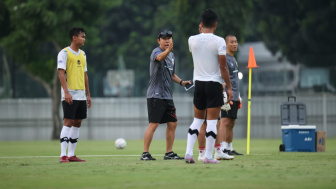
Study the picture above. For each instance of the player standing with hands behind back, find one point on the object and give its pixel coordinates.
(209, 58)
(72, 68)
(228, 118)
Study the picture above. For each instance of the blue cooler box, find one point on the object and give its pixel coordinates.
(298, 138)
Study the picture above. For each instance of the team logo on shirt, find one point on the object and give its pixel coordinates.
(224, 47)
(169, 67)
(78, 62)
(60, 61)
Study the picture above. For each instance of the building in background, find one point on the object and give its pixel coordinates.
(275, 75)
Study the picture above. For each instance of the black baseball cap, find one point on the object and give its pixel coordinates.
(163, 33)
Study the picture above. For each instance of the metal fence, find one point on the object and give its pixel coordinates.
(111, 118)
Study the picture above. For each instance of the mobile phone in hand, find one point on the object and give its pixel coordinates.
(189, 86)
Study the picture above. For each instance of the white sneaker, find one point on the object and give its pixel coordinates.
(221, 155)
(201, 156)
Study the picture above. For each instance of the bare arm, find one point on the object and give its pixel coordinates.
(87, 91)
(225, 74)
(176, 79)
(67, 95)
(165, 53)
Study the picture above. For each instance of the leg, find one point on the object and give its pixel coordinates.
(64, 136)
(228, 124)
(193, 132)
(201, 136)
(64, 139)
(149, 135)
(73, 137)
(201, 142)
(170, 136)
(211, 130)
(219, 134)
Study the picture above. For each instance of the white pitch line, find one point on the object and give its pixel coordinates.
(18, 157)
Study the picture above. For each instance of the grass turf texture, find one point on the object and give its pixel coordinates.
(265, 167)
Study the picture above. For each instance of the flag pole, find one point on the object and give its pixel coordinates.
(251, 64)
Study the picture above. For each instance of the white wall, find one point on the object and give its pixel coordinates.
(111, 118)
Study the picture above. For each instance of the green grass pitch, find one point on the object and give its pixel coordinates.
(35, 165)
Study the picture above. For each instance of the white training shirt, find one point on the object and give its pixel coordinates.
(62, 64)
(205, 48)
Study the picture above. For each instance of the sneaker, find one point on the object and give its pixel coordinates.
(201, 156)
(206, 160)
(224, 156)
(75, 159)
(64, 159)
(146, 157)
(189, 159)
(172, 155)
(233, 152)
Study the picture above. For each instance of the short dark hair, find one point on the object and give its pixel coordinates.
(209, 18)
(74, 31)
(230, 35)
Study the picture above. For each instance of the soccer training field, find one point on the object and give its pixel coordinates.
(35, 165)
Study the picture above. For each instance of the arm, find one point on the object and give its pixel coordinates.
(87, 91)
(225, 74)
(164, 54)
(67, 95)
(176, 79)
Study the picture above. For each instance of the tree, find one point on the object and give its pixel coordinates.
(304, 31)
(130, 32)
(38, 31)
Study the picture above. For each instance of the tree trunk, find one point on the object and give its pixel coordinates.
(56, 103)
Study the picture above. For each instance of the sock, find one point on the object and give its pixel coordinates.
(224, 145)
(211, 134)
(201, 150)
(64, 139)
(229, 146)
(192, 134)
(218, 148)
(74, 134)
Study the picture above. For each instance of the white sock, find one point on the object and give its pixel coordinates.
(64, 139)
(73, 137)
(218, 148)
(211, 134)
(192, 135)
(229, 146)
(224, 145)
(201, 150)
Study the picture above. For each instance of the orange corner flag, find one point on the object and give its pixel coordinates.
(251, 62)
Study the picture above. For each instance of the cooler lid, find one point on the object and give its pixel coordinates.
(298, 127)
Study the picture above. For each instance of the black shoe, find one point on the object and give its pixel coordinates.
(172, 155)
(236, 153)
(232, 153)
(146, 156)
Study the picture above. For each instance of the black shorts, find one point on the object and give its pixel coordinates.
(208, 94)
(77, 110)
(161, 110)
(231, 113)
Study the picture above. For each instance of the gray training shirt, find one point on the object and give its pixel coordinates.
(161, 76)
(233, 70)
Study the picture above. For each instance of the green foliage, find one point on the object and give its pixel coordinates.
(107, 167)
(302, 30)
(232, 16)
(38, 30)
